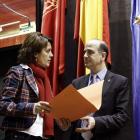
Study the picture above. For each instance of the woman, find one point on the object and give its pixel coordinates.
(26, 92)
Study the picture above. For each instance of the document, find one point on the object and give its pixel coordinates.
(74, 104)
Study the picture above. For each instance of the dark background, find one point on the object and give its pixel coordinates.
(121, 52)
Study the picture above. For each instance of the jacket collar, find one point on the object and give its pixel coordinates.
(30, 78)
(107, 82)
(85, 81)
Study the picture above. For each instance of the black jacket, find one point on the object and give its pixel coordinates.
(114, 111)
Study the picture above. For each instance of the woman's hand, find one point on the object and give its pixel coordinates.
(43, 107)
(64, 124)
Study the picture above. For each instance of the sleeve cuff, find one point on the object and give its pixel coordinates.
(34, 110)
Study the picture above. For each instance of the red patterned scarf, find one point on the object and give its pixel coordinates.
(45, 94)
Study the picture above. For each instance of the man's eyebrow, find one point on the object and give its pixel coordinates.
(88, 49)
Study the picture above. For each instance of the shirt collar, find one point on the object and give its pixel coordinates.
(101, 74)
(24, 66)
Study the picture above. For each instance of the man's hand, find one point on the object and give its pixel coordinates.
(64, 124)
(90, 125)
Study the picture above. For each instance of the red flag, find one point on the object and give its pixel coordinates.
(77, 38)
(53, 25)
(91, 21)
(106, 35)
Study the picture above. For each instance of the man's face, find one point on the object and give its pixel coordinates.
(92, 57)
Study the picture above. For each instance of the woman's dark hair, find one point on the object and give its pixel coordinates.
(33, 43)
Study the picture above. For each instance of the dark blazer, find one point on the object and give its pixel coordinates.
(114, 111)
(17, 99)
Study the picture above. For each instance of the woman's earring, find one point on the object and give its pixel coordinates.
(36, 59)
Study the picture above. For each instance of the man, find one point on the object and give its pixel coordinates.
(113, 114)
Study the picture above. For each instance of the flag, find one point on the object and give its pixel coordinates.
(53, 25)
(135, 12)
(91, 21)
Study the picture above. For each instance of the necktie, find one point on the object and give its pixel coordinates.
(94, 78)
(88, 135)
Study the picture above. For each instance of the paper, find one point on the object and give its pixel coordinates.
(73, 105)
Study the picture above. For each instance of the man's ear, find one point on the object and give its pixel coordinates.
(103, 56)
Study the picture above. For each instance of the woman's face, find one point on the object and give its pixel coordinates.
(44, 57)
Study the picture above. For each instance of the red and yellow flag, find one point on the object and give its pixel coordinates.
(53, 25)
(91, 21)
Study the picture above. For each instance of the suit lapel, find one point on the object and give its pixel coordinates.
(107, 82)
(31, 80)
(85, 81)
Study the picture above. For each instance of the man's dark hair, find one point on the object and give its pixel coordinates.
(33, 43)
(102, 47)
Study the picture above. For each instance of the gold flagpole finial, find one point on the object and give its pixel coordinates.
(137, 20)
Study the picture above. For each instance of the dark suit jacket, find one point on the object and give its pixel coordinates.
(114, 111)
